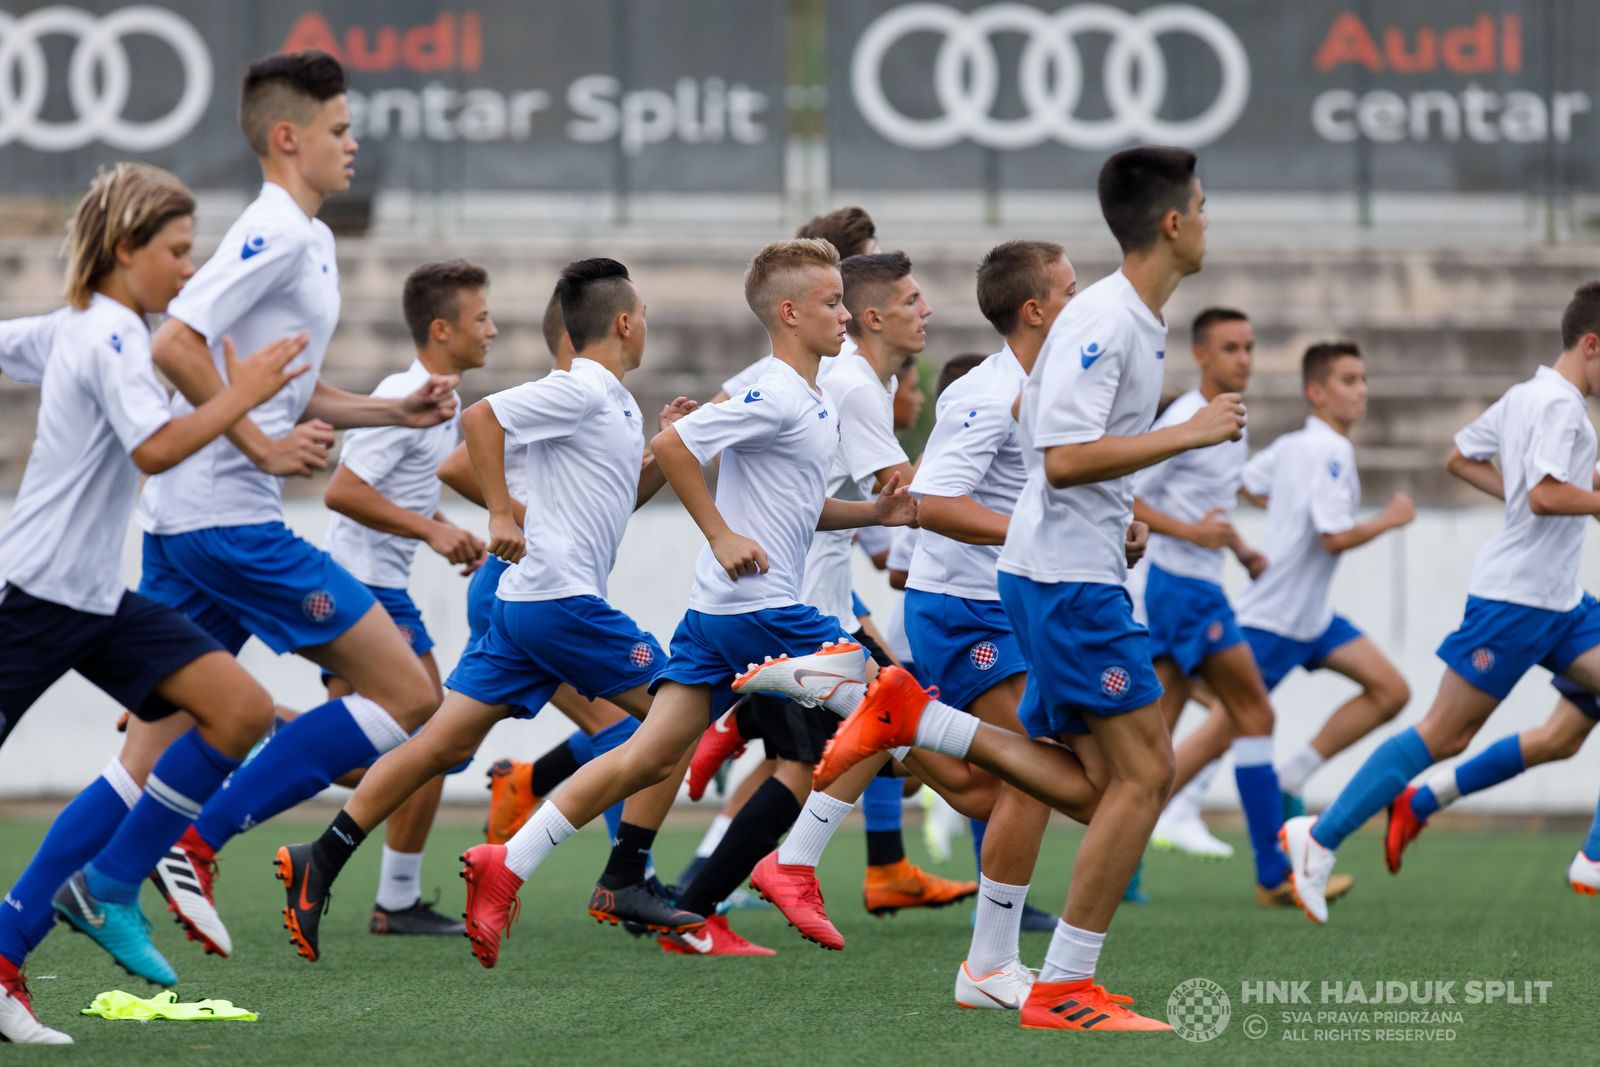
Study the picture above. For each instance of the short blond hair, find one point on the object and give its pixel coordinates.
(131, 202)
(776, 270)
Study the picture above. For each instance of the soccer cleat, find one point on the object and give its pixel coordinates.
(17, 1022)
(1192, 837)
(1135, 893)
(808, 680)
(715, 939)
(640, 905)
(184, 878)
(308, 894)
(795, 892)
(719, 744)
(1081, 1005)
(1403, 828)
(492, 901)
(511, 799)
(741, 899)
(886, 718)
(1283, 896)
(1294, 805)
(1007, 988)
(888, 887)
(1035, 920)
(1583, 874)
(120, 929)
(420, 918)
(1310, 866)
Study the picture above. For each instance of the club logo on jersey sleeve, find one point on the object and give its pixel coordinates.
(318, 606)
(116, 342)
(1114, 682)
(1090, 354)
(984, 655)
(1333, 468)
(253, 245)
(1482, 660)
(641, 655)
(752, 396)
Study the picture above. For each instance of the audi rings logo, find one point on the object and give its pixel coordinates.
(966, 76)
(98, 78)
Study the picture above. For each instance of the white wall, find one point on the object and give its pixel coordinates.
(1406, 591)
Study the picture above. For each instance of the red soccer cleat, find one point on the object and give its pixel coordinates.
(1081, 1005)
(886, 718)
(718, 744)
(492, 901)
(715, 939)
(795, 892)
(1404, 826)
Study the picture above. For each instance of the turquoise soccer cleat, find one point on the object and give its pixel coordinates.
(120, 929)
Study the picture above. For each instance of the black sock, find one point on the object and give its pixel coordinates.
(754, 832)
(628, 856)
(885, 847)
(337, 844)
(553, 768)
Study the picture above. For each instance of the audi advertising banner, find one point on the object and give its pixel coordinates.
(1427, 95)
(500, 94)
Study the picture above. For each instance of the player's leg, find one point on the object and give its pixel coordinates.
(1180, 828)
(1384, 693)
(628, 891)
(516, 788)
(737, 799)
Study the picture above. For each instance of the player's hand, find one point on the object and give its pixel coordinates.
(1399, 511)
(895, 505)
(675, 411)
(262, 374)
(1211, 531)
(455, 544)
(1137, 541)
(301, 452)
(505, 539)
(1219, 421)
(433, 402)
(1255, 564)
(739, 555)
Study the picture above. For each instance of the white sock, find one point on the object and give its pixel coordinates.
(995, 927)
(900, 752)
(812, 830)
(399, 880)
(945, 729)
(117, 776)
(377, 724)
(1185, 803)
(846, 698)
(1445, 789)
(1294, 771)
(1072, 954)
(714, 834)
(1252, 751)
(545, 829)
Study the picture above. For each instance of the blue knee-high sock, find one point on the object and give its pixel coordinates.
(578, 744)
(1591, 847)
(1495, 764)
(599, 745)
(78, 834)
(882, 804)
(298, 763)
(1263, 807)
(979, 828)
(183, 779)
(1382, 778)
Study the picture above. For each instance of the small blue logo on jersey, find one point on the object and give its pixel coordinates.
(1090, 354)
(627, 414)
(1333, 468)
(1161, 353)
(252, 246)
(752, 396)
(822, 414)
(116, 342)
(970, 415)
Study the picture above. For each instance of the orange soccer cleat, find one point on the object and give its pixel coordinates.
(492, 901)
(511, 798)
(888, 887)
(1081, 1005)
(795, 892)
(1403, 828)
(886, 718)
(720, 743)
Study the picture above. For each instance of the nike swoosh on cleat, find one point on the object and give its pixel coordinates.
(89, 916)
(305, 905)
(1006, 905)
(802, 674)
(700, 943)
(1008, 1004)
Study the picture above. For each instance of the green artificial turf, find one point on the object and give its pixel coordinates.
(1471, 906)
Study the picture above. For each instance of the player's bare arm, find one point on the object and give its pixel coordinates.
(735, 553)
(650, 477)
(1114, 457)
(351, 496)
(1137, 542)
(486, 444)
(456, 472)
(1551, 497)
(1212, 531)
(1481, 474)
(1398, 512)
(432, 403)
(894, 506)
(963, 519)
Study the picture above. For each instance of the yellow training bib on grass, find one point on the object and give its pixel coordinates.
(119, 1005)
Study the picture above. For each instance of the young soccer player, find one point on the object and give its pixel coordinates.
(1086, 415)
(550, 622)
(103, 421)
(1524, 603)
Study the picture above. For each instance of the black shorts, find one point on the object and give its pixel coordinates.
(875, 650)
(788, 730)
(1579, 696)
(126, 654)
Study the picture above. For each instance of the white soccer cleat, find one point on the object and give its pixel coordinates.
(17, 1023)
(1583, 874)
(1006, 989)
(185, 892)
(1192, 837)
(1309, 865)
(808, 680)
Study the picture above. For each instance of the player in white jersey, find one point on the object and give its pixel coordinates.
(1524, 603)
(103, 422)
(215, 545)
(1086, 414)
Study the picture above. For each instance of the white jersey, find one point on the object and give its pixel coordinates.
(777, 440)
(100, 400)
(866, 445)
(752, 374)
(902, 547)
(1539, 428)
(1188, 486)
(585, 438)
(517, 470)
(1310, 482)
(1098, 375)
(402, 464)
(975, 450)
(273, 276)
(25, 345)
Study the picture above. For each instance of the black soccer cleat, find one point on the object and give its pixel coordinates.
(308, 896)
(637, 904)
(420, 918)
(668, 894)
